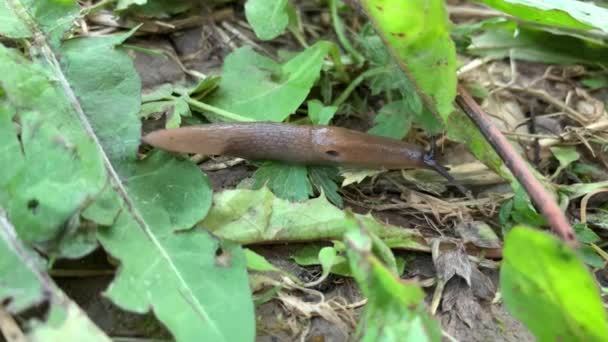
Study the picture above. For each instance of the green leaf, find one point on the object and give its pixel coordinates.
(326, 179)
(269, 18)
(23, 285)
(395, 310)
(285, 180)
(259, 88)
(584, 234)
(523, 211)
(565, 155)
(195, 284)
(417, 35)
(560, 13)
(393, 120)
(546, 286)
(513, 40)
(51, 18)
(258, 263)
(53, 166)
(595, 83)
(320, 114)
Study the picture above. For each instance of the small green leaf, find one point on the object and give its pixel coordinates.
(320, 114)
(269, 18)
(546, 286)
(326, 179)
(259, 88)
(285, 180)
(584, 234)
(565, 155)
(258, 263)
(595, 83)
(393, 120)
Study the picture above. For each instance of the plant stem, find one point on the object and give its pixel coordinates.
(339, 28)
(223, 113)
(352, 85)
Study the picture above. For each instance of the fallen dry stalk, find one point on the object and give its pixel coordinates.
(539, 195)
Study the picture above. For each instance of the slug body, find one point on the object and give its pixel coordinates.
(312, 145)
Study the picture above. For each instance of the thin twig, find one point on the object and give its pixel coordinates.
(543, 200)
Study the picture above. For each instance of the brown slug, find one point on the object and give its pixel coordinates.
(322, 145)
(311, 145)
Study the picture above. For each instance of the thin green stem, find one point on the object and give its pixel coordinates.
(96, 7)
(339, 28)
(352, 85)
(215, 110)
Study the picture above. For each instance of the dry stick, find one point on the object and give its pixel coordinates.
(543, 201)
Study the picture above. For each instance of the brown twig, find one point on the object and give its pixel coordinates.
(541, 198)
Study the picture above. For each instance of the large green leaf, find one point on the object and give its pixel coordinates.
(269, 18)
(560, 13)
(259, 88)
(194, 284)
(417, 35)
(52, 157)
(547, 287)
(51, 18)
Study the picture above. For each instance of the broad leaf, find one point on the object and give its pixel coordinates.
(259, 88)
(53, 167)
(417, 35)
(546, 286)
(183, 277)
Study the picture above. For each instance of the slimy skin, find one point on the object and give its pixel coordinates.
(310, 145)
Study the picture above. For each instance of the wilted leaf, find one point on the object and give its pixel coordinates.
(547, 287)
(259, 88)
(254, 216)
